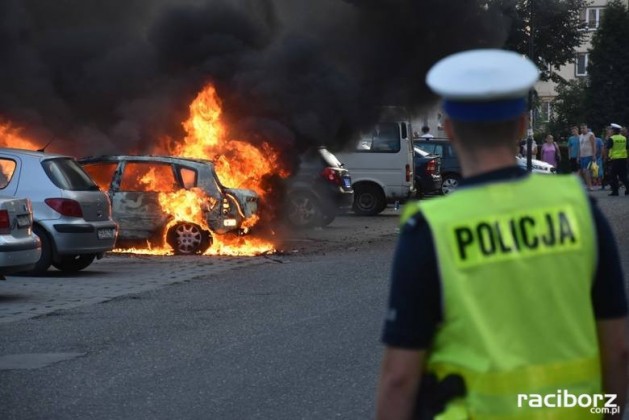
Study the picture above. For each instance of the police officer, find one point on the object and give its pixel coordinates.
(617, 150)
(513, 284)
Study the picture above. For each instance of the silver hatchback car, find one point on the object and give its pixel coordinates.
(72, 217)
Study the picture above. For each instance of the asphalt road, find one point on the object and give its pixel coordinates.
(292, 336)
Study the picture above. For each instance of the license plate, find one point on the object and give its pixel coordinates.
(23, 220)
(106, 233)
(347, 182)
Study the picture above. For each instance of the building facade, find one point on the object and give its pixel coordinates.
(591, 18)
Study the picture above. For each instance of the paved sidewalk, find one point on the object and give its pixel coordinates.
(111, 277)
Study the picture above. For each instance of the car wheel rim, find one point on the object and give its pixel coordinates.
(303, 210)
(189, 238)
(449, 185)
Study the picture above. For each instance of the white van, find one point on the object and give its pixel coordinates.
(381, 164)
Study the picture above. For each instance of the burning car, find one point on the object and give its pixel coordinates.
(179, 201)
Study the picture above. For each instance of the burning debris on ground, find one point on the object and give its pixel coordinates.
(246, 84)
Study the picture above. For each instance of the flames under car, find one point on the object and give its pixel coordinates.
(179, 201)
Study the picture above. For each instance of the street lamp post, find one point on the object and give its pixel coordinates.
(529, 139)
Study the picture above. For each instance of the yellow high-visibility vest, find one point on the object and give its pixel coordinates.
(619, 147)
(516, 261)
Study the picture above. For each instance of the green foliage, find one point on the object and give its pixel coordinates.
(608, 68)
(569, 106)
(555, 23)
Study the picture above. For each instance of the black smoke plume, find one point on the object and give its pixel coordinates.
(114, 76)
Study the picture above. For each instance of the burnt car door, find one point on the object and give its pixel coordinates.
(135, 197)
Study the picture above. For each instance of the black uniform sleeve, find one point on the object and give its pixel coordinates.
(414, 309)
(608, 291)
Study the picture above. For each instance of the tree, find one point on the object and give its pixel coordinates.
(556, 30)
(569, 106)
(607, 96)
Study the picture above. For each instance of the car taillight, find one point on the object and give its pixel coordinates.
(5, 222)
(431, 167)
(332, 176)
(65, 206)
(409, 174)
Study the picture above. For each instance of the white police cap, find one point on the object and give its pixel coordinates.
(614, 125)
(484, 84)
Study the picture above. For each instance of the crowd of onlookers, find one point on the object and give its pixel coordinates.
(596, 159)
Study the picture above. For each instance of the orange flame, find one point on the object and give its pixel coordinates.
(10, 136)
(238, 164)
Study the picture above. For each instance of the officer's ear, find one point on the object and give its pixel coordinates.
(448, 128)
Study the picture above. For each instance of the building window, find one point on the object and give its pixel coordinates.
(591, 18)
(581, 66)
(545, 111)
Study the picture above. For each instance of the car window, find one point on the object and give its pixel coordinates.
(385, 137)
(7, 169)
(66, 174)
(188, 176)
(426, 147)
(451, 151)
(102, 173)
(148, 177)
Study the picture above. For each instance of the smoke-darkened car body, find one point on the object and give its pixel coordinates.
(135, 184)
(318, 191)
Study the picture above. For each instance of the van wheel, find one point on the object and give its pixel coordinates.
(188, 238)
(74, 263)
(46, 253)
(368, 200)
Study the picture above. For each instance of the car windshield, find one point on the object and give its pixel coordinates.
(66, 174)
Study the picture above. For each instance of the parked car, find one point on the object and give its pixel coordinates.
(538, 166)
(319, 190)
(20, 248)
(427, 172)
(136, 206)
(72, 217)
(381, 164)
(451, 169)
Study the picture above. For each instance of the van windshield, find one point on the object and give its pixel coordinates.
(385, 137)
(66, 174)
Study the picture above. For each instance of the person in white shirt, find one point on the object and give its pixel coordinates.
(587, 149)
(426, 133)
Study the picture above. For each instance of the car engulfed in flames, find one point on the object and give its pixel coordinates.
(176, 199)
(172, 201)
